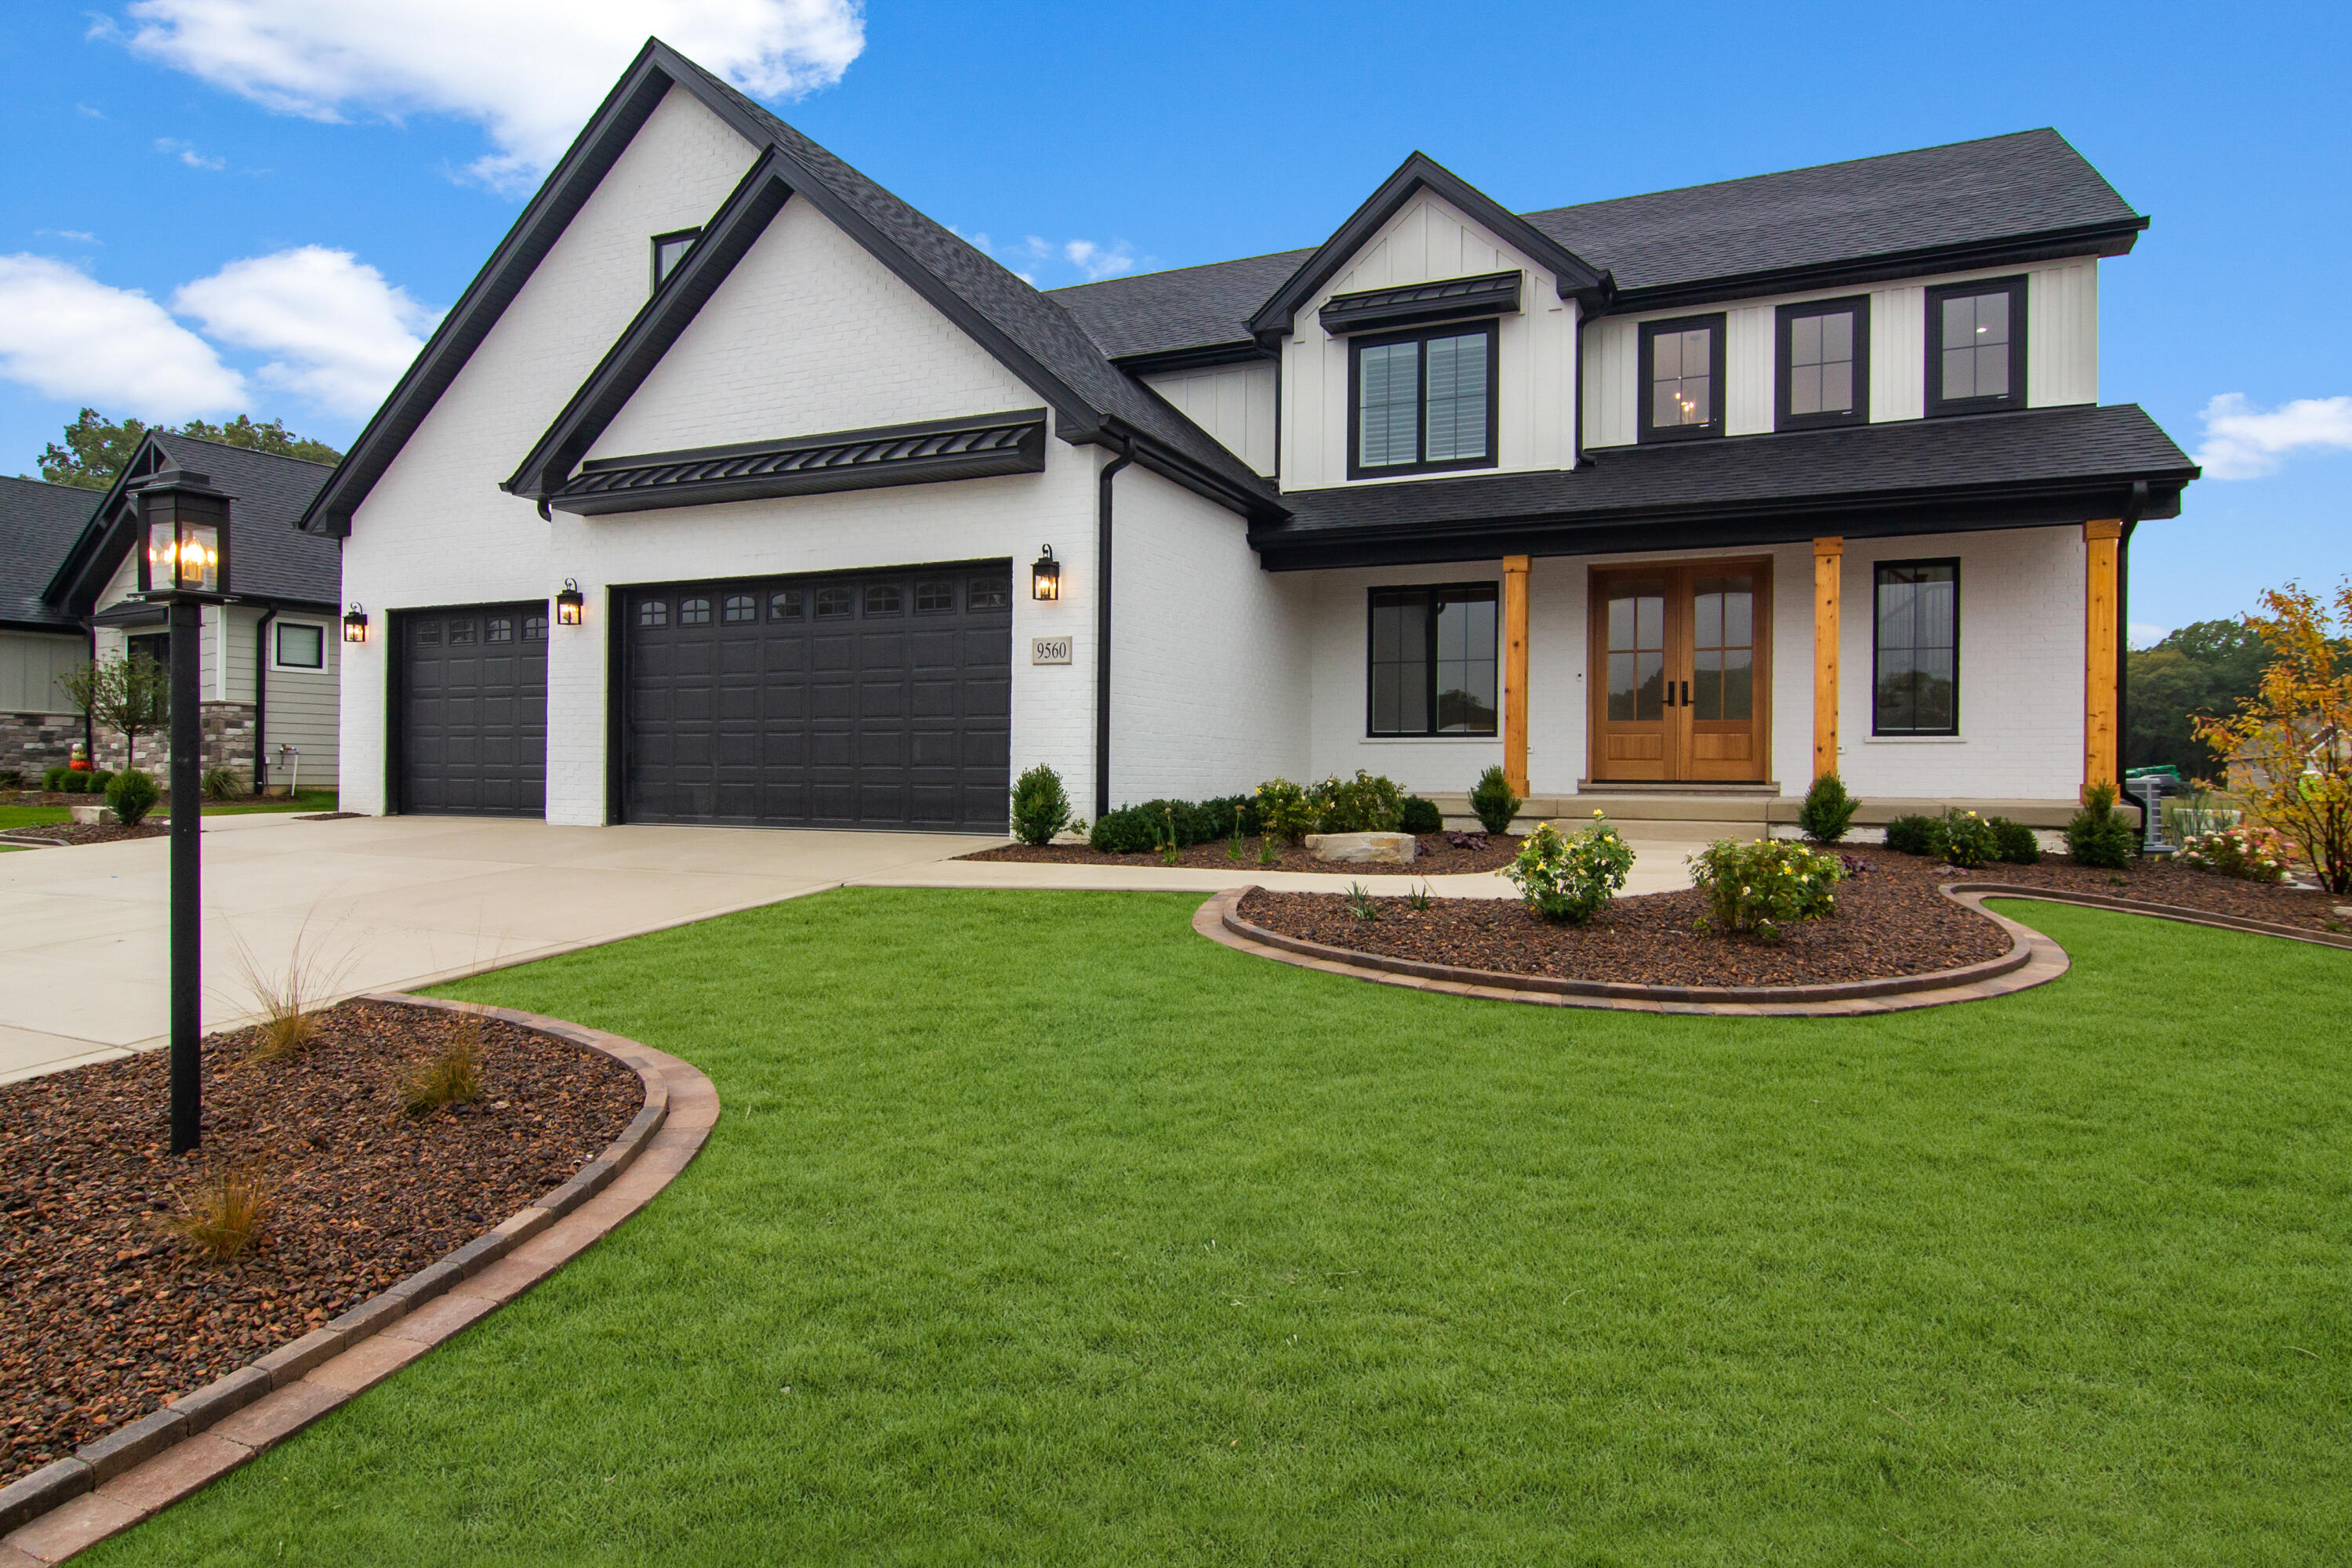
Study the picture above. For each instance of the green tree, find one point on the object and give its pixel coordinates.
(96, 447)
(2206, 668)
(131, 694)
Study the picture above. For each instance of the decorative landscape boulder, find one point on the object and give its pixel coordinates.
(1371, 848)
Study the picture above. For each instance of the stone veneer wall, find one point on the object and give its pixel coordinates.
(228, 743)
(35, 742)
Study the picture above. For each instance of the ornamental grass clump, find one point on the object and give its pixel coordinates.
(1761, 888)
(1041, 807)
(1570, 879)
(2252, 854)
(223, 1219)
(450, 1076)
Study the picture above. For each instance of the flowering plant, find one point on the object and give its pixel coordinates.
(1285, 811)
(1763, 886)
(2256, 853)
(1564, 879)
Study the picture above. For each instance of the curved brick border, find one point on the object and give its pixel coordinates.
(2181, 913)
(2032, 960)
(113, 1483)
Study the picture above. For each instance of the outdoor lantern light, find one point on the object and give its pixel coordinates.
(1045, 577)
(186, 521)
(355, 624)
(569, 603)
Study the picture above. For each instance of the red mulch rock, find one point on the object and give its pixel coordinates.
(104, 1315)
(56, 833)
(2163, 882)
(1433, 856)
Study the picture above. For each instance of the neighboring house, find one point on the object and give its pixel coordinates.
(1707, 491)
(271, 663)
(39, 643)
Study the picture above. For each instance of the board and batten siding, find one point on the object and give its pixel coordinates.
(1234, 403)
(32, 663)
(2061, 350)
(1428, 240)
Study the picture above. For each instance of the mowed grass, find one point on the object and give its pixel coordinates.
(1038, 1229)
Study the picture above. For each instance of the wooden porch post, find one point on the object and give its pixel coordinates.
(2100, 594)
(1829, 561)
(1515, 672)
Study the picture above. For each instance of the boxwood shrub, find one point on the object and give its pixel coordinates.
(1415, 814)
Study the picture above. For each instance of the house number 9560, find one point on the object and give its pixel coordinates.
(1049, 650)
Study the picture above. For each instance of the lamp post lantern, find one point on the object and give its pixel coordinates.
(184, 555)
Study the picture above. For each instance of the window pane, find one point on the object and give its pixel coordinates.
(302, 648)
(1738, 684)
(1976, 346)
(1836, 390)
(784, 606)
(1637, 641)
(1681, 378)
(1805, 389)
(1400, 661)
(1388, 394)
(1466, 664)
(1918, 685)
(934, 596)
(500, 629)
(534, 628)
(741, 607)
(653, 612)
(988, 594)
(832, 602)
(882, 598)
(461, 633)
(1706, 683)
(1805, 341)
(1457, 398)
(694, 611)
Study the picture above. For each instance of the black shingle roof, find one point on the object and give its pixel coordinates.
(38, 524)
(1950, 198)
(1908, 476)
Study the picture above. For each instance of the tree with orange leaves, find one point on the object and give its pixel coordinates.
(2290, 744)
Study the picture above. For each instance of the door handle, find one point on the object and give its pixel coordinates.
(1685, 693)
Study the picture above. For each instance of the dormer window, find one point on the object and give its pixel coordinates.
(1824, 364)
(669, 249)
(1976, 346)
(1422, 401)
(1682, 378)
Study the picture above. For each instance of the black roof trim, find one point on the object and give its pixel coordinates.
(1576, 279)
(130, 613)
(1379, 309)
(1207, 356)
(925, 453)
(2090, 239)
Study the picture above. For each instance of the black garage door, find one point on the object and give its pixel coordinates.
(472, 708)
(881, 699)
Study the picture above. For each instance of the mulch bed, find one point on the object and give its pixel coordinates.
(2155, 881)
(56, 833)
(104, 1315)
(1433, 856)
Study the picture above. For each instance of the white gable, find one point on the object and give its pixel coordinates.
(809, 333)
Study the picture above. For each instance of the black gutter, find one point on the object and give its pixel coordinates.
(260, 691)
(1102, 628)
(1204, 356)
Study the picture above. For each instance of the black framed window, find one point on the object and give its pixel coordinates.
(1823, 363)
(652, 612)
(1915, 668)
(1432, 670)
(694, 612)
(300, 646)
(1421, 402)
(934, 598)
(534, 628)
(1682, 378)
(1976, 346)
(669, 249)
(738, 607)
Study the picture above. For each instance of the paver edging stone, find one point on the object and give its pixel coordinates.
(2181, 913)
(274, 1396)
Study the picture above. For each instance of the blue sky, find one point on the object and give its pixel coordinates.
(262, 203)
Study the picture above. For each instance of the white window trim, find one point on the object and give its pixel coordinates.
(325, 665)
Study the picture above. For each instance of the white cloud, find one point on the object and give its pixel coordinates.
(188, 155)
(2144, 634)
(338, 334)
(88, 112)
(79, 236)
(2244, 443)
(1099, 262)
(70, 337)
(528, 71)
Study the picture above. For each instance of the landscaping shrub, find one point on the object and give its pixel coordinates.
(1827, 810)
(54, 779)
(1969, 840)
(11, 778)
(133, 795)
(1570, 879)
(98, 779)
(1763, 886)
(1285, 811)
(1226, 816)
(2254, 854)
(1126, 831)
(1415, 814)
(1493, 803)
(220, 783)
(2016, 845)
(451, 1076)
(225, 1218)
(1916, 836)
(1368, 802)
(2098, 836)
(1041, 807)
(74, 782)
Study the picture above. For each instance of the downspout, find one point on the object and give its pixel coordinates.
(261, 698)
(88, 724)
(1102, 627)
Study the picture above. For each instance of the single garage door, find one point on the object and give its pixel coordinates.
(879, 699)
(472, 710)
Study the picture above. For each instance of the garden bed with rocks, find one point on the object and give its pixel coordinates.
(2162, 881)
(106, 1312)
(1434, 854)
(53, 833)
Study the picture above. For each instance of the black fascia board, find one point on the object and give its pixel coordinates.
(540, 224)
(1575, 278)
(860, 460)
(64, 628)
(1180, 469)
(1419, 304)
(743, 218)
(2091, 239)
(1203, 356)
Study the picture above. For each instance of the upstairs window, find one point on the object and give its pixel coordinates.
(1976, 346)
(1433, 660)
(1682, 378)
(1916, 682)
(1422, 401)
(669, 249)
(1824, 364)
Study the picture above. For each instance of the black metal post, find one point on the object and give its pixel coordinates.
(187, 874)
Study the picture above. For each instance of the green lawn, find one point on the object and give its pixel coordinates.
(1037, 1229)
(303, 800)
(32, 815)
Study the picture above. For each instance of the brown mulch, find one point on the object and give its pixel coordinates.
(1890, 920)
(1433, 856)
(2155, 882)
(327, 816)
(56, 833)
(104, 1315)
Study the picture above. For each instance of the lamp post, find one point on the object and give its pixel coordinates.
(182, 554)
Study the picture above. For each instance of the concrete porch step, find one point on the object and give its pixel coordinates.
(1745, 811)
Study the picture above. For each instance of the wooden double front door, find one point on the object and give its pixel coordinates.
(1680, 672)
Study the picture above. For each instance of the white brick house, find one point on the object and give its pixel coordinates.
(718, 496)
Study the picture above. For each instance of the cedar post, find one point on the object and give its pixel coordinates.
(1829, 561)
(1515, 672)
(2100, 600)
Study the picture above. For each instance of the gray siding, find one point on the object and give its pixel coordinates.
(30, 664)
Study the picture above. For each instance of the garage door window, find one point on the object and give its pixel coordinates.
(832, 602)
(784, 607)
(882, 599)
(694, 611)
(461, 634)
(534, 628)
(934, 598)
(739, 607)
(654, 613)
(990, 593)
(500, 629)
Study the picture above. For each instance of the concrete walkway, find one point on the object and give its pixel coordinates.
(392, 903)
